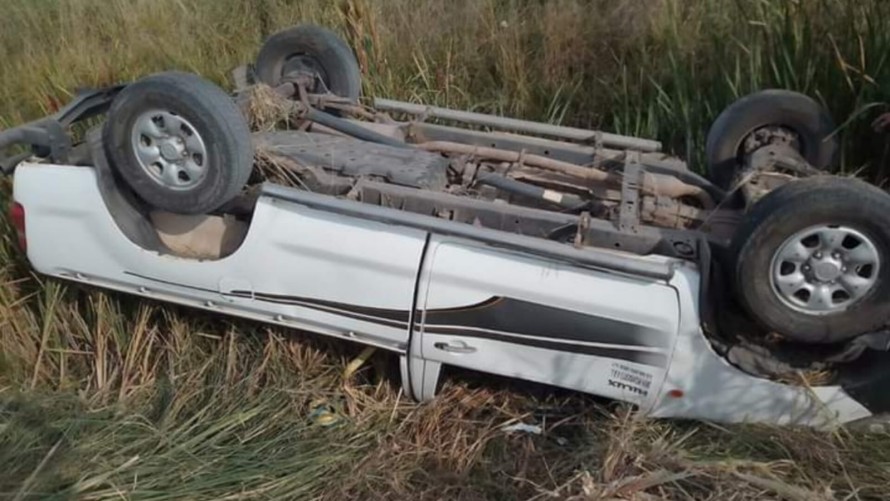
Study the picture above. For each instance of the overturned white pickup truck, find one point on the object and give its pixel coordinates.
(576, 258)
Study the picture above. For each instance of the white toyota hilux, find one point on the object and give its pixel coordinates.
(571, 257)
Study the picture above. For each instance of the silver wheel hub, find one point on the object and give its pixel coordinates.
(169, 149)
(170, 152)
(825, 269)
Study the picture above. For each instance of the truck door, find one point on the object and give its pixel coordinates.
(525, 317)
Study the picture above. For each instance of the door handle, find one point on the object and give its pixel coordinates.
(455, 347)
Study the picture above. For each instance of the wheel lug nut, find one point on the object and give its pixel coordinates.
(818, 255)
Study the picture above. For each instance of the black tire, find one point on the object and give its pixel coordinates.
(326, 52)
(775, 107)
(215, 118)
(793, 208)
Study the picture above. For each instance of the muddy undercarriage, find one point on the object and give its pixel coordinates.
(507, 196)
(575, 186)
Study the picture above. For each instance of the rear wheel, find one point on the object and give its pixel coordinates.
(314, 54)
(811, 259)
(179, 142)
(766, 118)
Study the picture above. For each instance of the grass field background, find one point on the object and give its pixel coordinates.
(107, 397)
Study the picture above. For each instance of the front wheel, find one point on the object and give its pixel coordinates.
(812, 259)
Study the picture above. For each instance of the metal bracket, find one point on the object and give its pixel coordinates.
(629, 211)
(583, 227)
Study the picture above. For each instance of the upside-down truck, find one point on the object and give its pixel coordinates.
(572, 257)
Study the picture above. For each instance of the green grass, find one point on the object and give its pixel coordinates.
(660, 68)
(107, 397)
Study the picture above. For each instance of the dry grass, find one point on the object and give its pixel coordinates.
(267, 110)
(124, 390)
(106, 397)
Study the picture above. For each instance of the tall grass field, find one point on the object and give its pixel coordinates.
(109, 397)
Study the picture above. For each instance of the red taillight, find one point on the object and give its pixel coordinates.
(676, 393)
(17, 214)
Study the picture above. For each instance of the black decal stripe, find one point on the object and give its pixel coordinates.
(166, 282)
(328, 309)
(463, 309)
(450, 329)
(640, 357)
(534, 319)
(400, 316)
(504, 315)
(318, 305)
